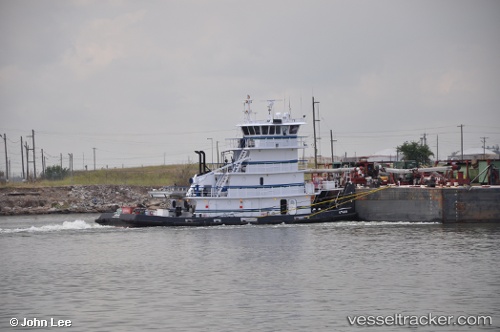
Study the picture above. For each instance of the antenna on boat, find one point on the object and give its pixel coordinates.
(270, 104)
(246, 108)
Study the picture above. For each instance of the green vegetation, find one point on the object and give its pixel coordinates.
(55, 173)
(139, 176)
(416, 151)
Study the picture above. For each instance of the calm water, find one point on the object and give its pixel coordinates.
(245, 278)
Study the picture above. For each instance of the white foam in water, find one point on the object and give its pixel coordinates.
(67, 225)
(382, 223)
(82, 225)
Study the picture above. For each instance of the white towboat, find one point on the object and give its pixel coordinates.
(262, 184)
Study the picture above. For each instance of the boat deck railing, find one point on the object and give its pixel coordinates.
(254, 192)
(268, 142)
(168, 191)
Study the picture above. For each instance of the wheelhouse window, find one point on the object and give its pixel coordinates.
(245, 130)
(257, 130)
(294, 129)
(265, 130)
(271, 130)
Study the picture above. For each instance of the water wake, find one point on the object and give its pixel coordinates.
(384, 223)
(339, 224)
(83, 225)
(66, 225)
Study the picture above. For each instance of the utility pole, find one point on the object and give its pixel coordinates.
(462, 140)
(314, 130)
(26, 147)
(71, 163)
(318, 120)
(43, 165)
(217, 149)
(94, 158)
(34, 159)
(484, 146)
(212, 140)
(331, 144)
(22, 158)
(437, 147)
(423, 139)
(6, 159)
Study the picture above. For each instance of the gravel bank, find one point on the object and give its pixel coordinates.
(74, 199)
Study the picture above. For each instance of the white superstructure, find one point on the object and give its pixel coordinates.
(262, 176)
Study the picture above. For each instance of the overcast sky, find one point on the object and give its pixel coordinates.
(145, 82)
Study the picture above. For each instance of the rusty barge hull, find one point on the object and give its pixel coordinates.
(446, 205)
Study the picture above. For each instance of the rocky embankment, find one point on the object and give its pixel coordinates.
(74, 199)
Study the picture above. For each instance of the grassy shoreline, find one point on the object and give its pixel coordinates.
(136, 176)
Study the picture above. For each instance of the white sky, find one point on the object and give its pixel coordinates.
(141, 80)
